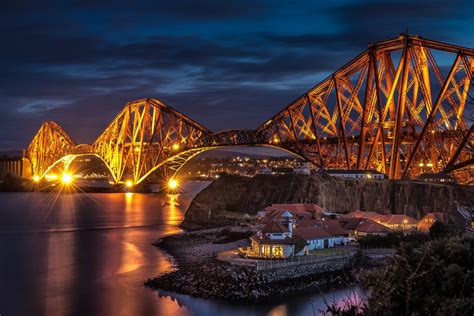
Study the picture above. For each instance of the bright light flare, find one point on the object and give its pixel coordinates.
(36, 178)
(66, 178)
(175, 146)
(172, 184)
(129, 184)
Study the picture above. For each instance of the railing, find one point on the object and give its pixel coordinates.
(232, 257)
(301, 260)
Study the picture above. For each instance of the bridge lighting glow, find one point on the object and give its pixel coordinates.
(129, 184)
(66, 178)
(172, 184)
(138, 129)
(36, 178)
(51, 176)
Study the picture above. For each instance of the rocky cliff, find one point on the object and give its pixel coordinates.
(248, 195)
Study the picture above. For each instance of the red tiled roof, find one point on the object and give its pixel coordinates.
(275, 227)
(396, 219)
(276, 214)
(310, 233)
(333, 227)
(365, 225)
(264, 239)
(311, 222)
(362, 214)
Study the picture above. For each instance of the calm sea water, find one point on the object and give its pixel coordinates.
(89, 254)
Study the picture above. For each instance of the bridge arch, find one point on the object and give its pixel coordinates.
(176, 162)
(65, 162)
(391, 108)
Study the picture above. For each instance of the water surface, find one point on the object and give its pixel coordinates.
(89, 254)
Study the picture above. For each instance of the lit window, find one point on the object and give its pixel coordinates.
(278, 251)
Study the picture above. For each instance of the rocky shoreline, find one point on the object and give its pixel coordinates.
(198, 273)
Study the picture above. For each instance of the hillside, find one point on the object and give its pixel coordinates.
(248, 195)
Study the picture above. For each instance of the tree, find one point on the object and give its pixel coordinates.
(436, 278)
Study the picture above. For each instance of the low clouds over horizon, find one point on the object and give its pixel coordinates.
(224, 64)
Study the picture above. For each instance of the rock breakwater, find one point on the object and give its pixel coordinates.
(199, 274)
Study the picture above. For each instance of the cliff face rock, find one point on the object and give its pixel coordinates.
(248, 195)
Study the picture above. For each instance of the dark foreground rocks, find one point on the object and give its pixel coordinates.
(199, 274)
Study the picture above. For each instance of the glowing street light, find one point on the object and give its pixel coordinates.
(175, 146)
(172, 184)
(129, 184)
(66, 178)
(36, 178)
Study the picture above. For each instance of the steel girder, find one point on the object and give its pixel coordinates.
(392, 109)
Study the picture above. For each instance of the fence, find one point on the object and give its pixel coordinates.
(232, 257)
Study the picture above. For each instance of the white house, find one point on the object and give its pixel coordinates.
(302, 167)
(276, 239)
(286, 235)
(316, 237)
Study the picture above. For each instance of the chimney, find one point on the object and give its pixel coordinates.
(290, 226)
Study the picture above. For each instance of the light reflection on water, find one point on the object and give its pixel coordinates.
(89, 254)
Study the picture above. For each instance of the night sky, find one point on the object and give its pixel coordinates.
(224, 64)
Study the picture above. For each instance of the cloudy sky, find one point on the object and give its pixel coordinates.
(226, 64)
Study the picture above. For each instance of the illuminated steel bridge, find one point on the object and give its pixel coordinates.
(402, 107)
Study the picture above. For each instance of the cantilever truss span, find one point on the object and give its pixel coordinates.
(402, 107)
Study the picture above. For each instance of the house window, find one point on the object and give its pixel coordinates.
(278, 251)
(266, 250)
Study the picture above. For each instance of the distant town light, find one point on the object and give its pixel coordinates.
(137, 149)
(276, 140)
(66, 178)
(175, 146)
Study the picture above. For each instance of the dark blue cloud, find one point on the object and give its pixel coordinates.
(226, 64)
